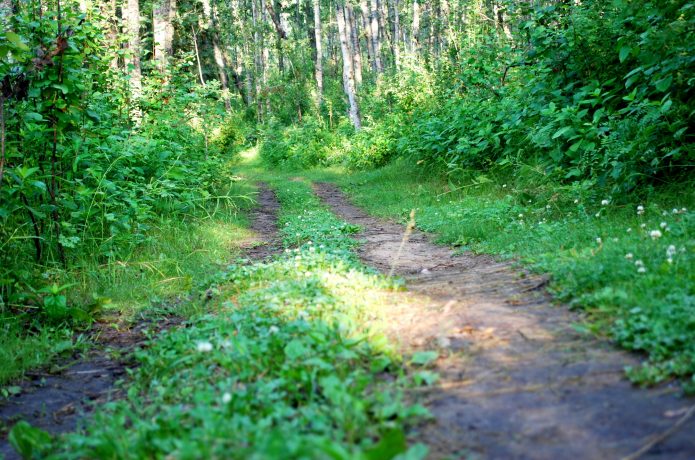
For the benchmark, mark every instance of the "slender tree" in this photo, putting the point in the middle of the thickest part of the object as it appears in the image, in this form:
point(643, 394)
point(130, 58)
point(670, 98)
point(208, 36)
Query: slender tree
point(348, 73)
point(318, 72)
point(132, 60)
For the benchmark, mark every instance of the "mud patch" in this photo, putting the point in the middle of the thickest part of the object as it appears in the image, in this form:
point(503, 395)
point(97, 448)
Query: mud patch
point(56, 398)
point(265, 242)
point(516, 380)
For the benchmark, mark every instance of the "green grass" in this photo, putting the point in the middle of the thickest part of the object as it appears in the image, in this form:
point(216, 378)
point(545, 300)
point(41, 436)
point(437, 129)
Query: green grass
point(602, 257)
point(166, 265)
point(284, 364)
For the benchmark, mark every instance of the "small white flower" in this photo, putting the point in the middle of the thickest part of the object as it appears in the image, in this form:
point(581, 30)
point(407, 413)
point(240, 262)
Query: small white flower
point(671, 250)
point(629, 230)
point(521, 216)
point(669, 260)
point(675, 211)
point(204, 347)
point(504, 186)
point(226, 398)
point(629, 256)
point(663, 225)
point(615, 240)
point(655, 234)
point(547, 206)
point(642, 225)
point(576, 201)
point(598, 214)
point(273, 330)
point(684, 209)
point(605, 202)
point(639, 263)
point(598, 240)
point(665, 213)
point(641, 270)
point(640, 210)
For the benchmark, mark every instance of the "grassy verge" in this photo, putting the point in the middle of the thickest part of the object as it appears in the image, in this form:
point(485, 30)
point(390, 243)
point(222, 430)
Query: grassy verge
point(282, 365)
point(165, 265)
point(628, 263)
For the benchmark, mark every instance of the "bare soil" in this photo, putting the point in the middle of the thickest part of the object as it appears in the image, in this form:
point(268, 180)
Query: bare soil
point(516, 380)
point(55, 399)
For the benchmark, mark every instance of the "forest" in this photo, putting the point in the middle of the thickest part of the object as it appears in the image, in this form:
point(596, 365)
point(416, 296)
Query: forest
point(347, 229)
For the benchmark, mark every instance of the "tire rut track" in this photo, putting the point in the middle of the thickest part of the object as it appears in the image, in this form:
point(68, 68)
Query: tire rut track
point(517, 381)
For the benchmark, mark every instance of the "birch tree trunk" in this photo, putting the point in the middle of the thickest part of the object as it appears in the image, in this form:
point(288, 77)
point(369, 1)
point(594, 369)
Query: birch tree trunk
point(415, 32)
point(132, 59)
point(367, 27)
point(376, 39)
point(161, 16)
point(318, 72)
point(396, 32)
point(220, 60)
point(354, 43)
point(348, 80)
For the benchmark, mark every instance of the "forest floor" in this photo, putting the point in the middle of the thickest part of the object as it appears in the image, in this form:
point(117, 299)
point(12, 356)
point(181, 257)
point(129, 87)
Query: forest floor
point(503, 372)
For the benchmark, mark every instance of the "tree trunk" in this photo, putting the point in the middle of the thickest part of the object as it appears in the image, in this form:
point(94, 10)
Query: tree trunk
point(133, 57)
point(354, 43)
point(217, 53)
point(161, 16)
point(367, 27)
point(319, 53)
point(396, 32)
point(348, 79)
point(415, 32)
point(376, 38)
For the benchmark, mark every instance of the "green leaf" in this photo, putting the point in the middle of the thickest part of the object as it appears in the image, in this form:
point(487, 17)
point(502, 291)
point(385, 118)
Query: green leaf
point(664, 84)
point(561, 131)
point(295, 349)
point(61, 87)
point(27, 440)
point(391, 444)
point(624, 53)
point(422, 358)
point(32, 116)
point(16, 40)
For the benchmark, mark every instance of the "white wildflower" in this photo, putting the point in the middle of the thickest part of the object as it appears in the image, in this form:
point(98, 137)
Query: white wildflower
point(641, 270)
point(684, 210)
point(521, 216)
point(226, 398)
point(664, 213)
point(273, 330)
point(663, 225)
point(655, 234)
point(640, 210)
point(576, 201)
point(629, 230)
point(504, 185)
point(605, 202)
point(598, 214)
point(675, 211)
point(203, 347)
point(643, 226)
point(639, 263)
point(547, 206)
point(629, 256)
point(669, 260)
point(671, 250)
point(598, 240)
point(615, 240)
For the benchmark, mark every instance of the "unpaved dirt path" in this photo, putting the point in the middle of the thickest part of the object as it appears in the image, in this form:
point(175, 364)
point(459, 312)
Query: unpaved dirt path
point(517, 382)
point(56, 400)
